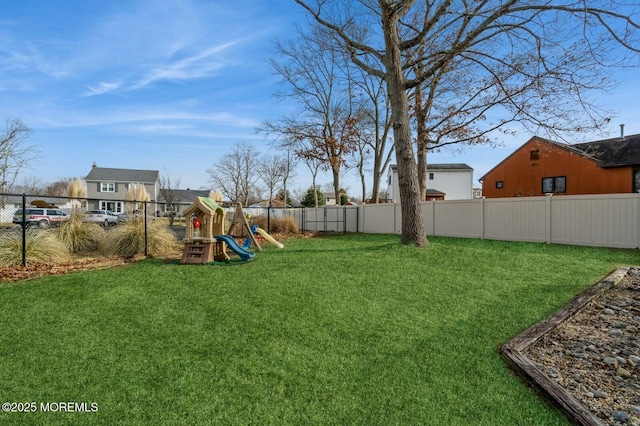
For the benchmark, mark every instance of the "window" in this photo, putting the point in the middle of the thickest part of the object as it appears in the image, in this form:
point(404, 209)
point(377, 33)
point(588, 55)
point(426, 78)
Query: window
point(636, 180)
point(499, 184)
point(554, 185)
point(430, 176)
point(107, 187)
point(534, 154)
point(114, 206)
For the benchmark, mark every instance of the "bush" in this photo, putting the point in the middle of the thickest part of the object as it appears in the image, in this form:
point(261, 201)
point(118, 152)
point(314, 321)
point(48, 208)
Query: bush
point(81, 236)
point(43, 246)
point(127, 239)
point(279, 225)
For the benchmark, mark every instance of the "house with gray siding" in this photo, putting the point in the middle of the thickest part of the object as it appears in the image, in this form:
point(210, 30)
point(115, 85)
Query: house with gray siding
point(107, 187)
point(176, 201)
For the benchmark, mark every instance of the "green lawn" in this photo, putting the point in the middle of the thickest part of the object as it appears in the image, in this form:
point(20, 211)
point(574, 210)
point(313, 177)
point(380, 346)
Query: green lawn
point(352, 329)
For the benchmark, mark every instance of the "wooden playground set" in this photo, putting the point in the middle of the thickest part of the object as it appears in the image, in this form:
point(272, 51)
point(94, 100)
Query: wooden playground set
point(205, 239)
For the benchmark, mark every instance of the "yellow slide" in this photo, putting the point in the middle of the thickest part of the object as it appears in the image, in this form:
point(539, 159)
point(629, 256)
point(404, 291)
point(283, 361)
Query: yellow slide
point(269, 238)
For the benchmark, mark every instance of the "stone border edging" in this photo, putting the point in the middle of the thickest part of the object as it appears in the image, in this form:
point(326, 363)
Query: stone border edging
point(513, 350)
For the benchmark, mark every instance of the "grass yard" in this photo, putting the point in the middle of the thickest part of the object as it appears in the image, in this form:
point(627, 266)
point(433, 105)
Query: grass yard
point(353, 329)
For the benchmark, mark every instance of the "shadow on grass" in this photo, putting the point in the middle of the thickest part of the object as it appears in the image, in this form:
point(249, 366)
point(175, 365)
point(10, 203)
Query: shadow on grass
point(230, 262)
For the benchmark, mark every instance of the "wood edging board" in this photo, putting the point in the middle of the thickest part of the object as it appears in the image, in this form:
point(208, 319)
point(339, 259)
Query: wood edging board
point(513, 352)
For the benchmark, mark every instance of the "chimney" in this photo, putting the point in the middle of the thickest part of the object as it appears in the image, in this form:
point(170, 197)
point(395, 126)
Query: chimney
point(94, 165)
point(622, 131)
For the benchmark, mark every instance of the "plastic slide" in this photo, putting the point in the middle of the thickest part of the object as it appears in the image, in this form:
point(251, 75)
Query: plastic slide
point(233, 245)
point(269, 238)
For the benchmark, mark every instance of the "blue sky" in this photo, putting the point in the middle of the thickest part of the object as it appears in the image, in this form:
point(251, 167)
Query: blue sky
point(170, 85)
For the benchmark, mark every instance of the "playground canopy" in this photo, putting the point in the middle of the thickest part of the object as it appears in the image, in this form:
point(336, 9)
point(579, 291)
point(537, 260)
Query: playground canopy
point(211, 217)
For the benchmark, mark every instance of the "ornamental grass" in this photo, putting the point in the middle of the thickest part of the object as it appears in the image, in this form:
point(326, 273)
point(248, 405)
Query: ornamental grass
point(42, 246)
point(78, 235)
point(127, 239)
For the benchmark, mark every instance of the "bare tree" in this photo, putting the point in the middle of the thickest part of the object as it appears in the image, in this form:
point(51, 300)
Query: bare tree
point(235, 174)
point(29, 185)
point(374, 141)
point(526, 51)
point(324, 125)
point(169, 190)
point(314, 165)
point(15, 153)
point(271, 170)
point(288, 172)
point(57, 188)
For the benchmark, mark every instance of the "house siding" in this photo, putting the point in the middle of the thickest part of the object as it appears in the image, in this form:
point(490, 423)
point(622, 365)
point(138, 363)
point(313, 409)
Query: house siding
point(451, 181)
point(98, 176)
point(522, 176)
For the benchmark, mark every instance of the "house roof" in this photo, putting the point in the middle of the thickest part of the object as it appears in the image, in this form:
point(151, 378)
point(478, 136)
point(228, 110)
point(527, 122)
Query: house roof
point(101, 174)
point(442, 166)
point(435, 192)
point(265, 203)
point(185, 195)
point(614, 152)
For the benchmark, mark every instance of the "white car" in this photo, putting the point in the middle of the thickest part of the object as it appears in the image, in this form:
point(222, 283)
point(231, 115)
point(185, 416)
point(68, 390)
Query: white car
point(104, 217)
point(41, 217)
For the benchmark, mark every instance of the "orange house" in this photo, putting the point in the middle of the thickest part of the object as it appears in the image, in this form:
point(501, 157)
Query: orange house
point(542, 166)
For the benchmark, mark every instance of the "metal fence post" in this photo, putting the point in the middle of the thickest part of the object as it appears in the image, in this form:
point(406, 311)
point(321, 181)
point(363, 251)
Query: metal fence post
point(269, 218)
point(146, 251)
point(24, 229)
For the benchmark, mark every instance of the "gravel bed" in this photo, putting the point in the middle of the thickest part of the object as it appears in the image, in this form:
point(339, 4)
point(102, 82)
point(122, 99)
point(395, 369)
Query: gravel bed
point(595, 355)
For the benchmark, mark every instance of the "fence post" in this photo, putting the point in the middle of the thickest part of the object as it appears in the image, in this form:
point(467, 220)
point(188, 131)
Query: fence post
point(482, 212)
point(269, 217)
point(24, 229)
point(548, 218)
point(146, 251)
point(325, 221)
point(344, 220)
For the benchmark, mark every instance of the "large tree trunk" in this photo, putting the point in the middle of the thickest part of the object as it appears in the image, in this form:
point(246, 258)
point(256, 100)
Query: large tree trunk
point(421, 143)
point(375, 190)
point(412, 223)
point(336, 183)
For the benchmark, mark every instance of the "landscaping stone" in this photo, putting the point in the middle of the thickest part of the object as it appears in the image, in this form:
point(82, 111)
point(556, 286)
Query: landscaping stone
point(623, 372)
point(615, 333)
point(620, 416)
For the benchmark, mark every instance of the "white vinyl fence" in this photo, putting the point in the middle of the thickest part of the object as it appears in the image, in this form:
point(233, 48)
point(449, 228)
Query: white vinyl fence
point(611, 220)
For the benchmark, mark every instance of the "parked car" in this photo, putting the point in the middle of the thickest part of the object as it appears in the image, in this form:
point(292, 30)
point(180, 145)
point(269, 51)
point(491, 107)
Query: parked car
point(104, 217)
point(123, 217)
point(42, 218)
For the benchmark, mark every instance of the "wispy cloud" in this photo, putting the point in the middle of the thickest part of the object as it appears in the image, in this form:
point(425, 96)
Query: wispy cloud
point(101, 88)
point(199, 65)
point(146, 119)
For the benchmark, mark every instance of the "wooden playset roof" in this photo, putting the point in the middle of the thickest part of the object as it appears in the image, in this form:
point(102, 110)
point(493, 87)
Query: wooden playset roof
point(204, 204)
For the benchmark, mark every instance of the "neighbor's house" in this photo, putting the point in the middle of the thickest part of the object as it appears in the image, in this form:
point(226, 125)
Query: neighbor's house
point(178, 200)
point(444, 182)
point(542, 166)
point(329, 199)
point(107, 187)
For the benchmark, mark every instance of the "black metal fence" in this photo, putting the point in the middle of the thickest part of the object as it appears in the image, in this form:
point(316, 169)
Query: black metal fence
point(32, 223)
point(26, 219)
